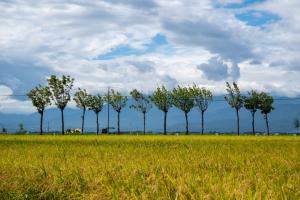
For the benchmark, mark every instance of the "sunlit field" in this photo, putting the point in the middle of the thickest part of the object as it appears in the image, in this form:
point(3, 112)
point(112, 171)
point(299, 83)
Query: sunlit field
point(149, 167)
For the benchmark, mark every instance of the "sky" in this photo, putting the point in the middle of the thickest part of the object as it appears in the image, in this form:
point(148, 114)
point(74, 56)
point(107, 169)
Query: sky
point(141, 44)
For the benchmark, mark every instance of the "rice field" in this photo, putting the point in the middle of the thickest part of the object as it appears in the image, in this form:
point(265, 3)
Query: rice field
point(149, 167)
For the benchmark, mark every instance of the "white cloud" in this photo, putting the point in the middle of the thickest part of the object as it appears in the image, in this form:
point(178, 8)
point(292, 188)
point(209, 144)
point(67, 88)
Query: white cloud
point(10, 105)
point(40, 38)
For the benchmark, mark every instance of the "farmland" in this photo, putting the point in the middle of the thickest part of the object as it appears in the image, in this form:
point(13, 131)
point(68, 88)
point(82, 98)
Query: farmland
point(149, 167)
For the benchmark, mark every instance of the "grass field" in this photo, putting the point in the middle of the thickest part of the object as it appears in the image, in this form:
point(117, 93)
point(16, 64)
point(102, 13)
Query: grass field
point(149, 167)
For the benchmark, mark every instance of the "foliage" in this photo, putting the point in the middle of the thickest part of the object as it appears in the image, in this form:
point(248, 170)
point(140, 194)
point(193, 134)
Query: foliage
point(235, 100)
point(81, 98)
point(162, 98)
point(21, 130)
point(252, 101)
point(40, 97)
point(266, 106)
point(60, 89)
point(182, 98)
point(233, 96)
point(202, 97)
point(95, 103)
point(117, 101)
point(266, 103)
point(143, 167)
point(141, 102)
point(296, 123)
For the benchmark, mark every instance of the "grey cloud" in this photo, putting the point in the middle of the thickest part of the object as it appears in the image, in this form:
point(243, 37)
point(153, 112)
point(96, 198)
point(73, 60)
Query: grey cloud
point(138, 4)
point(142, 67)
point(234, 71)
point(169, 82)
point(21, 77)
point(217, 70)
point(210, 36)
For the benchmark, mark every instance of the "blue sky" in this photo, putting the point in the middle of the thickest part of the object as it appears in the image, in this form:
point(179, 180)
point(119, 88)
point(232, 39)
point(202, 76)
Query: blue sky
point(127, 44)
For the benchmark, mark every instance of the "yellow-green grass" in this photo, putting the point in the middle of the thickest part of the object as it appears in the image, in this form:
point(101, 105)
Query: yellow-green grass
point(149, 167)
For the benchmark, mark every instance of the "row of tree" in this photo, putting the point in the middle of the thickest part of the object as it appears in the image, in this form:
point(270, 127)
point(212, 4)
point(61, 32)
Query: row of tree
point(58, 91)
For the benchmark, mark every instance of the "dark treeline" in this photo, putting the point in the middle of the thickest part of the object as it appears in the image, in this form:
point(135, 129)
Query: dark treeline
point(58, 92)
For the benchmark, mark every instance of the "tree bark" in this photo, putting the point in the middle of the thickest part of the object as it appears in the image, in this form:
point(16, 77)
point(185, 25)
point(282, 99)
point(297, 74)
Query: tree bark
point(238, 121)
point(253, 123)
point(97, 122)
point(202, 122)
point(82, 123)
point(165, 123)
point(118, 123)
point(144, 123)
point(267, 123)
point(41, 122)
point(62, 122)
point(186, 123)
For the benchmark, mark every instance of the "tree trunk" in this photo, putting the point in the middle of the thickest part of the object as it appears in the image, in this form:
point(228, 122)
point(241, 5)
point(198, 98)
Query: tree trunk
point(202, 122)
point(267, 123)
point(144, 123)
point(118, 123)
point(97, 122)
point(186, 123)
point(82, 124)
point(62, 122)
point(165, 123)
point(238, 121)
point(41, 122)
point(253, 123)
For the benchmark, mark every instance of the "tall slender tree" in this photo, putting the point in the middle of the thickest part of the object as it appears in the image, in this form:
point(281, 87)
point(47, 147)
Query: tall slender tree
point(95, 103)
point(252, 102)
point(141, 104)
point(202, 98)
point(235, 100)
point(182, 98)
point(80, 97)
point(117, 101)
point(266, 107)
point(60, 89)
point(41, 98)
point(162, 98)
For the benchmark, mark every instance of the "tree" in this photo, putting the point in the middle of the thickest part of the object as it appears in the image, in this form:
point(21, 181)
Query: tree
point(141, 104)
point(21, 128)
point(95, 103)
point(80, 97)
point(235, 100)
point(182, 98)
point(41, 98)
point(162, 98)
point(117, 101)
point(60, 90)
point(202, 98)
point(296, 125)
point(3, 130)
point(252, 102)
point(266, 107)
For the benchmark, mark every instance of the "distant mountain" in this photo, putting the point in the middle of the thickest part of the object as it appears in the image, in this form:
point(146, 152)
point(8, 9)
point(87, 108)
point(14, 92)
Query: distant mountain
point(219, 117)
